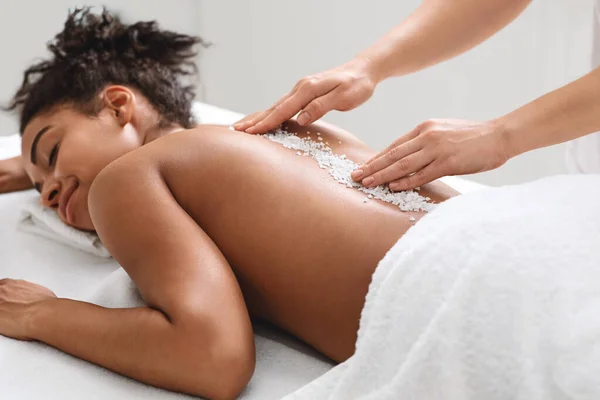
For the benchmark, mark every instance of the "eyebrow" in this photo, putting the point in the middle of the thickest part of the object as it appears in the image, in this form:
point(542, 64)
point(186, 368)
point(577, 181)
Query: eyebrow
point(35, 142)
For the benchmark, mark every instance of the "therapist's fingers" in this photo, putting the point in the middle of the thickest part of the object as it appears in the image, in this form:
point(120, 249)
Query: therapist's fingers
point(395, 156)
point(398, 142)
point(399, 169)
point(425, 175)
point(399, 149)
point(304, 94)
point(256, 117)
point(246, 121)
point(320, 106)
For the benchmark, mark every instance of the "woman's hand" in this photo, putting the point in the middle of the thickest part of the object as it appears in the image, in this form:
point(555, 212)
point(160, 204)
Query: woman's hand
point(342, 88)
point(435, 149)
point(16, 300)
point(12, 176)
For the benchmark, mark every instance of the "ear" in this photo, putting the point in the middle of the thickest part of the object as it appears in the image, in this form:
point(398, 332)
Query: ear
point(121, 101)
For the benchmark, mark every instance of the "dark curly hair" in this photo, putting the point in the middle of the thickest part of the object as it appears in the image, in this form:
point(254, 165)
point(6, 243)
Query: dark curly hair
point(96, 50)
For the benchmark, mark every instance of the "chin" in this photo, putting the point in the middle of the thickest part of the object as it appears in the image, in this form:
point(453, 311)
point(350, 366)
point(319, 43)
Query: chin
point(85, 227)
point(89, 228)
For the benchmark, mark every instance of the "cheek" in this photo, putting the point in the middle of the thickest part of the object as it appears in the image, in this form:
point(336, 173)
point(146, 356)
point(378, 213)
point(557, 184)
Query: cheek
point(86, 154)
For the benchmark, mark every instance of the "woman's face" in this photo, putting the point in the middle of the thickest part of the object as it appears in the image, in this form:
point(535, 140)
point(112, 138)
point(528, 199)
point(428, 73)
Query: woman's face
point(63, 152)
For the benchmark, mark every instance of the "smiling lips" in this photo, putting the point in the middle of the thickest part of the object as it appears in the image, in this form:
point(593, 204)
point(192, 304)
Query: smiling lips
point(65, 200)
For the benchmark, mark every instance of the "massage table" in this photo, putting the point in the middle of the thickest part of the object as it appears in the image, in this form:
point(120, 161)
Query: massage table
point(31, 370)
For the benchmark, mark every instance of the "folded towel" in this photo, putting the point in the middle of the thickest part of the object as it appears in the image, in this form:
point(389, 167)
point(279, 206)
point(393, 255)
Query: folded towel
point(44, 222)
point(493, 295)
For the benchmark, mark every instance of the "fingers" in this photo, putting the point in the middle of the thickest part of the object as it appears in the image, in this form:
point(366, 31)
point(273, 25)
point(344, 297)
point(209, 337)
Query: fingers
point(401, 140)
point(305, 93)
point(247, 121)
point(319, 107)
point(387, 158)
point(399, 169)
point(430, 173)
point(256, 117)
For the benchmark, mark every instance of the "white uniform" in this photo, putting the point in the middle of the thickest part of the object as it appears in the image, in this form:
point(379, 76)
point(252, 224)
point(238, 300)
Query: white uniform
point(583, 154)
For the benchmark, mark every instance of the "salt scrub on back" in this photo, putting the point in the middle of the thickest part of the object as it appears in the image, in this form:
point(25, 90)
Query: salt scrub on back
point(340, 168)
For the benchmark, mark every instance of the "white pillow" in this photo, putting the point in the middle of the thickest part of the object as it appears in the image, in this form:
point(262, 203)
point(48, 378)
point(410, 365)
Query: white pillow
point(10, 146)
point(208, 114)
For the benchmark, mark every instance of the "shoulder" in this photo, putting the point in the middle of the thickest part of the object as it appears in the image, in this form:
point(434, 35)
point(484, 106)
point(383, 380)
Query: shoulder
point(168, 162)
point(162, 152)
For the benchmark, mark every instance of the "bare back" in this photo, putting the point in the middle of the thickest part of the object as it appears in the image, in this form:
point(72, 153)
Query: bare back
point(302, 246)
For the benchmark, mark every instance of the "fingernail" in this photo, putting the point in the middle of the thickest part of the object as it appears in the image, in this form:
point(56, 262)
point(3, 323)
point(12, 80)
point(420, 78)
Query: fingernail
point(252, 129)
point(303, 118)
point(368, 181)
point(357, 174)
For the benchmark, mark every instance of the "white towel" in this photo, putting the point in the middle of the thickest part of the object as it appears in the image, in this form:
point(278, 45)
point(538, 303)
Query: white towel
point(44, 222)
point(494, 295)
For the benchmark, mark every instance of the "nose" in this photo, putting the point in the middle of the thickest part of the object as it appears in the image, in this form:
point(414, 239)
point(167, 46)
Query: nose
point(51, 194)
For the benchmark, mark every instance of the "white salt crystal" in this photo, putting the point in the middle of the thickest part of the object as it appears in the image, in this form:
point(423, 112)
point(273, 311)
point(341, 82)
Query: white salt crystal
point(318, 133)
point(370, 196)
point(320, 138)
point(413, 219)
point(340, 169)
point(365, 200)
point(298, 154)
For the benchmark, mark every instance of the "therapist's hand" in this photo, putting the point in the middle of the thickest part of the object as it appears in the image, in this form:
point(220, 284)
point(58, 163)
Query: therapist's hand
point(12, 176)
point(435, 149)
point(342, 88)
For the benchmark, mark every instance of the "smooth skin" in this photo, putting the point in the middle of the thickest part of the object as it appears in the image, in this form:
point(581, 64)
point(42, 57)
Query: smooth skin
point(206, 249)
point(439, 30)
point(13, 177)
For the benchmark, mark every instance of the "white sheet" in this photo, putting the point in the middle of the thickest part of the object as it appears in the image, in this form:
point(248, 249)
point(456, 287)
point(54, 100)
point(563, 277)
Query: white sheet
point(493, 295)
point(35, 371)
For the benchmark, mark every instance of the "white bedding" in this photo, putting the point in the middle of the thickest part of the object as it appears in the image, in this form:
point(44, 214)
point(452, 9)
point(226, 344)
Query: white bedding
point(35, 371)
point(494, 295)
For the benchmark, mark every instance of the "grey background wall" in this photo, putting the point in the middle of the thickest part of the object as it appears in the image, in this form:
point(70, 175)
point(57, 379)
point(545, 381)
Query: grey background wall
point(262, 47)
point(26, 26)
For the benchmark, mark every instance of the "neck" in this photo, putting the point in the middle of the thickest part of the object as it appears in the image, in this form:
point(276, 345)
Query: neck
point(147, 121)
point(157, 132)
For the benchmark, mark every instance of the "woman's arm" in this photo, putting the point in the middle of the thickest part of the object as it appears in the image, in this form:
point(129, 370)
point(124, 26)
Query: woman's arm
point(12, 175)
point(436, 31)
point(196, 335)
point(565, 114)
point(453, 147)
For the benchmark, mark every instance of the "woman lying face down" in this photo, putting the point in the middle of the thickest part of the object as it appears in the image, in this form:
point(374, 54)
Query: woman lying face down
point(215, 227)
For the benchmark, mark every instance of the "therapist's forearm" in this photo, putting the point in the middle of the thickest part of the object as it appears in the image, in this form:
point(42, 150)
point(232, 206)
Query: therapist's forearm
point(562, 115)
point(436, 31)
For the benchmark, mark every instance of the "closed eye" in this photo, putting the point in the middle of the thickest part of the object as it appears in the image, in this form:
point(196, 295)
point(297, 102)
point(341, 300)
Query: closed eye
point(53, 155)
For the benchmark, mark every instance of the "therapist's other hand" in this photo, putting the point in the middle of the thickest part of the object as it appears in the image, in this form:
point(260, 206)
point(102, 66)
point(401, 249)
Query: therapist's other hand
point(12, 176)
point(342, 88)
point(435, 149)
point(17, 300)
